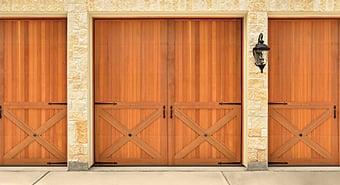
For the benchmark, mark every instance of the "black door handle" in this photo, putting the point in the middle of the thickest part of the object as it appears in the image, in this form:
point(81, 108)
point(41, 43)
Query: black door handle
point(171, 112)
point(164, 111)
point(0, 112)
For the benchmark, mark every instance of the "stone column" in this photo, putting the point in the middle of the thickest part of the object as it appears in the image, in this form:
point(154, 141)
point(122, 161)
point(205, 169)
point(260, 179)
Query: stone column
point(79, 94)
point(255, 96)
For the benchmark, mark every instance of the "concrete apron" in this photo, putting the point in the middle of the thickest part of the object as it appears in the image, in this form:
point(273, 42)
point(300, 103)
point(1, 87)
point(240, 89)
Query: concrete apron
point(170, 169)
point(170, 178)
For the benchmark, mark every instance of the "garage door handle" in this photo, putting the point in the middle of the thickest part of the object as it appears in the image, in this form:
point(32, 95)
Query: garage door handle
point(164, 111)
point(171, 112)
point(277, 103)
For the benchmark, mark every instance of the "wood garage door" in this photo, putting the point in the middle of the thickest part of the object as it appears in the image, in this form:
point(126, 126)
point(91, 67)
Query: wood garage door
point(303, 92)
point(167, 91)
point(33, 92)
point(205, 91)
point(130, 91)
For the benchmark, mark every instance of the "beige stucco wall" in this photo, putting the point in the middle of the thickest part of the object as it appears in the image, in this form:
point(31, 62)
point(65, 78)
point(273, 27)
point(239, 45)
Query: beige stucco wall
point(79, 14)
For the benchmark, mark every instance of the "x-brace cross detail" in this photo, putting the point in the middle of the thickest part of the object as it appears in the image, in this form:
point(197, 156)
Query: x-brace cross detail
point(205, 135)
point(35, 135)
point(129, 134)
point(300, 135)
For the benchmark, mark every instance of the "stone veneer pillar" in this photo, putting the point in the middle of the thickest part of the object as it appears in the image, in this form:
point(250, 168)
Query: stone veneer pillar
point(255, 96)
point(80, 154)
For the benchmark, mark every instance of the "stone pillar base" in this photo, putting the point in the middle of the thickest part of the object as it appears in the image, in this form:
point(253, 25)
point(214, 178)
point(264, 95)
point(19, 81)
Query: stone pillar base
point(257, 166)
point(77, 166)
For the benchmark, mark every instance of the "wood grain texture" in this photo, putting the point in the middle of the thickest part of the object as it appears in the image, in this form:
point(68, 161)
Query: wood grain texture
point(33, 64)
point(304, 72)
point(173, 72)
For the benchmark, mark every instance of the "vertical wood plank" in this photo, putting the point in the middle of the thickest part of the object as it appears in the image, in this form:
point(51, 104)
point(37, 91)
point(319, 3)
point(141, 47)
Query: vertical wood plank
point(2, 59)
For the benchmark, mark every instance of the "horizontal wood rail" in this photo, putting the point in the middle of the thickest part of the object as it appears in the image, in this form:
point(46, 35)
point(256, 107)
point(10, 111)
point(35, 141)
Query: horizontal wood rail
point(34, 105)
point(128, 105)
point(301, 105)
point(207, 105)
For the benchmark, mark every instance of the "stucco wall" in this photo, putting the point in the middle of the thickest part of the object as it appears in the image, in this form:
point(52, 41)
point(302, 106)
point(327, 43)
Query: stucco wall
point(79, 14)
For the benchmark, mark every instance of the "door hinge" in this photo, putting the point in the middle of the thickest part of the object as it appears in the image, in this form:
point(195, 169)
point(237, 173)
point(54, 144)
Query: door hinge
point(57, 103)
point(105, 103)
point(106, 163)
point(277, 103)
point(225, 163)
point(56, 163)
point(229, 103)
point(278, 162)
point(334, 111)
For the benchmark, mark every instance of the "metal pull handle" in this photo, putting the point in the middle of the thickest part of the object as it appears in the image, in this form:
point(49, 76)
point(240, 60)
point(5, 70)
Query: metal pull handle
point(229, 103)
point(277, 103)
point(57, 103)
point(171, 112)
point(334, 111)
point(105, 103)
point(0, 112)
point(164, 111)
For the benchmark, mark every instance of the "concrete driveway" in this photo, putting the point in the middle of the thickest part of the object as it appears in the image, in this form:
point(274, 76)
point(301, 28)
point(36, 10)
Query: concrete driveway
point(169, 178)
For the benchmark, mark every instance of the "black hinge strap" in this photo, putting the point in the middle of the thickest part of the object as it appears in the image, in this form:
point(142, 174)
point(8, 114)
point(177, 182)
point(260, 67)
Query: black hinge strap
point(57, 103)
point(278, 162)
point(277, 103)
point(223, 163)
point(106, 163)
point(334, 111)
point(56, 163)
point(105, 103)
point(230, 103)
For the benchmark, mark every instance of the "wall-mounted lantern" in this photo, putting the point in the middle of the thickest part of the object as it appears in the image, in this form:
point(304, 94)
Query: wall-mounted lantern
point(258, 50)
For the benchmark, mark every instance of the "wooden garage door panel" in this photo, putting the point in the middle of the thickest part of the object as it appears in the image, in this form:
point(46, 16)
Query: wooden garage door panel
point(130, 68)
point(207, 136)
point(130, 60)
point(206, 71)
point(207, 60)
point(33, 56)
point(175, 73)
point(303, 55)
point(113, 141)
point(304, 74)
